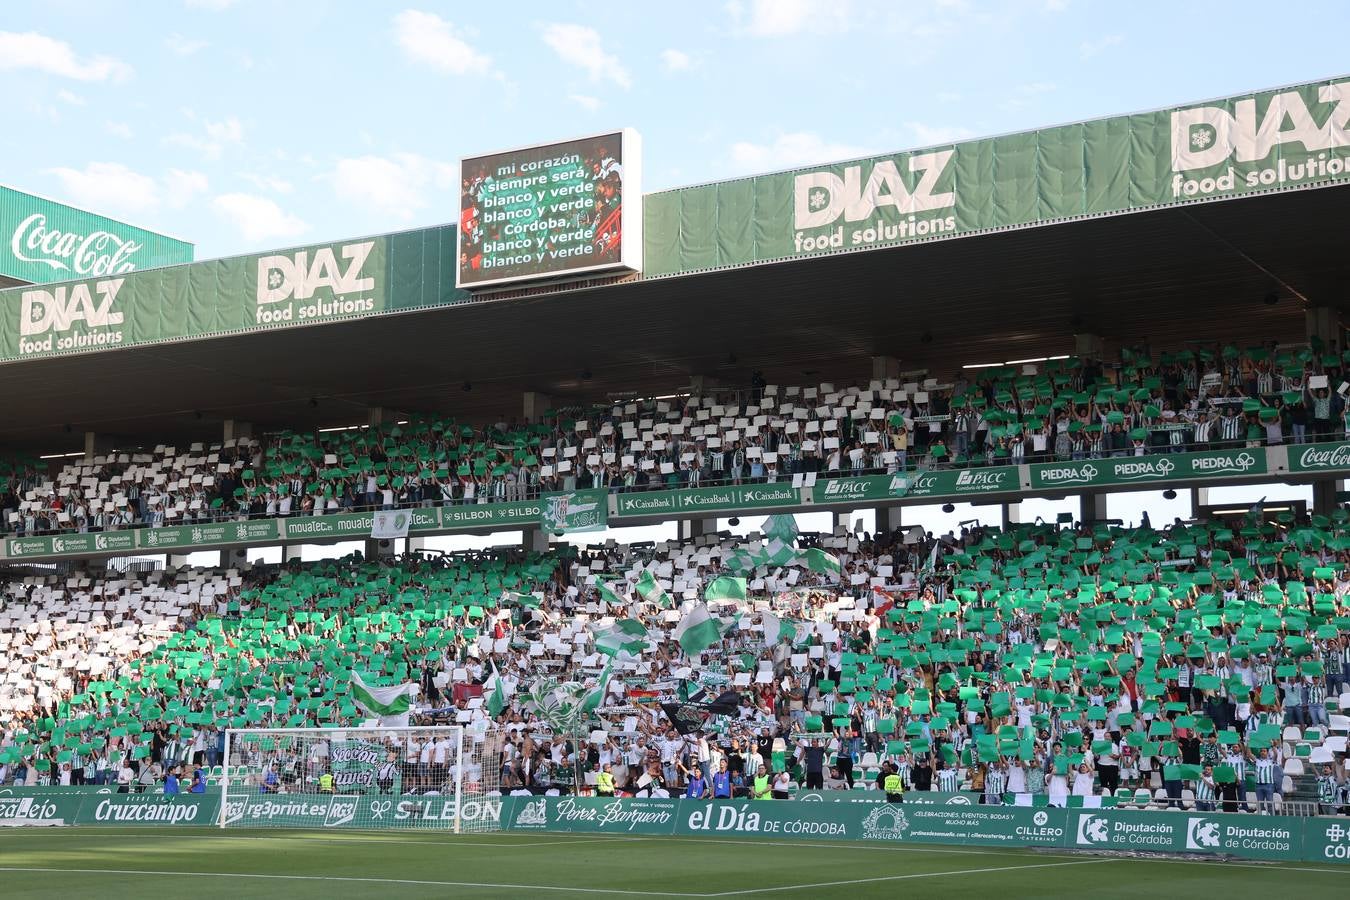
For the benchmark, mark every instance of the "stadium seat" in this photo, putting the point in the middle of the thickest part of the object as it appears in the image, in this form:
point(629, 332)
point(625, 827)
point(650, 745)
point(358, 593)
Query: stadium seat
point(1293, 765)
point(1292, 733)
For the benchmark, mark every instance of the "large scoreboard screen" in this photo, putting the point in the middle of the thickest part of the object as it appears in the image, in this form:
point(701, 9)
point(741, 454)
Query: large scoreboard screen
point(551, 212)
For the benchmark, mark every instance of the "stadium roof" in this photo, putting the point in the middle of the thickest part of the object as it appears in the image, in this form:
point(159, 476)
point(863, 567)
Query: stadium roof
point(1199, 272)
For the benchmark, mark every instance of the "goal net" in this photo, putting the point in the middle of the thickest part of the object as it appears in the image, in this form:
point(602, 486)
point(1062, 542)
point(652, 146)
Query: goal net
point(441, 777)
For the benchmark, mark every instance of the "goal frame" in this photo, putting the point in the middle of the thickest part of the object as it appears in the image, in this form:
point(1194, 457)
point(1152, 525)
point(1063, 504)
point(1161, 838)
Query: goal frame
point(328, 733)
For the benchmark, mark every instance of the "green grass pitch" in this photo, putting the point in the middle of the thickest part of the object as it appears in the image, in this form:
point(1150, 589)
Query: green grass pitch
point(206, 863)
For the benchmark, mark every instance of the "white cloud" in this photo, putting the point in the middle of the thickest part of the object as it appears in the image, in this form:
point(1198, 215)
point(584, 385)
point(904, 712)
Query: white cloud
point(396, 185)
point(272, 183)
point(676, 60)
point(781, 18)
point(229, 131)
point(1089, 49)
point(787, 151)
point(427, 38)
point(258, 218)
point(119, 129)
point(586, 102)
point(181, 187)
point(109, 186)
point(928, 135)
point(580, 46)
point(30, 50)
point(66, 96)
point(183, 46)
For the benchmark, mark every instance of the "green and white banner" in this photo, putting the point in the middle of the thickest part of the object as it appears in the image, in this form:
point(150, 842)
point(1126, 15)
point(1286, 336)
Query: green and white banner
point(1319, 457)
point(1147, 469)
point(574, 511)
point(737, 497)
point(1256, 143)
point(964, 482)
point(304, 286)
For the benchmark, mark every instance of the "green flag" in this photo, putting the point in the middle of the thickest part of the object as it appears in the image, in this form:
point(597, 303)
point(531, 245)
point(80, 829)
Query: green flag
point(624, 636)
point(780, 528)
point(386, 702)
point(648, 589)
point(497, 698)
point(697, 631)
point(725, 588)
point(818, 560)
point(609, 594)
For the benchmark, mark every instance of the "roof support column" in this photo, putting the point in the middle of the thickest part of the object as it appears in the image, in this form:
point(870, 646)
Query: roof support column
point(884, 367)
point(692, 529)
point(534, 405)
point(889, 518)
point(534, 539)
point(1012, 514)
point(235, 430)
point(1323, 327)
point(1091, 507)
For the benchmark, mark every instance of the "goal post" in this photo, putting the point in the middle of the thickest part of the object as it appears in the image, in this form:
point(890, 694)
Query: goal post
point(432, 777)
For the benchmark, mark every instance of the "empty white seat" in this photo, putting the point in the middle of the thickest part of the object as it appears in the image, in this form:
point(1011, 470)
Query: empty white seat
point(1293, 766)
point(1292, 733)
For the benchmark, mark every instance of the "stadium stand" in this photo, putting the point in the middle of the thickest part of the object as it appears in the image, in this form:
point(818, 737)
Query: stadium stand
point(1072, 409)
point(1201, 665)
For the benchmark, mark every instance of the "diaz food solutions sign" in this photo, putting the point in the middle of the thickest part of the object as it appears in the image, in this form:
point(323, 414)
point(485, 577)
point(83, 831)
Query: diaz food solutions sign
point(42, 240)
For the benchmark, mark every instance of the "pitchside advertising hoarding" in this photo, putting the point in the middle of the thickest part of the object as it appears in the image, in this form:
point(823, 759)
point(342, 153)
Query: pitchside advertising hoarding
point(551, 211)
point(49, 241)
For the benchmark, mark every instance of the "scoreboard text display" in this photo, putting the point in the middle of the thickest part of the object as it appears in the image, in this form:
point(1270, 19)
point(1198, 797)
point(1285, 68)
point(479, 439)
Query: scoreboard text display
point(551, 211)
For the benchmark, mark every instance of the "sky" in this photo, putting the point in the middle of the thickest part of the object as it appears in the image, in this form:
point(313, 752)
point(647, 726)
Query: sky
point(245, 125)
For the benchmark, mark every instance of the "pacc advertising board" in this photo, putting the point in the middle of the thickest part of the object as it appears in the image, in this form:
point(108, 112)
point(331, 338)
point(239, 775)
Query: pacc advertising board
point(551, 211)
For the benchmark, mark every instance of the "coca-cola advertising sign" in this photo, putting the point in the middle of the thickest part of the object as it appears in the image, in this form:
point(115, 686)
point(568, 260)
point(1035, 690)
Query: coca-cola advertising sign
point(1319, 457)
point(45, 241)
point(95, 253)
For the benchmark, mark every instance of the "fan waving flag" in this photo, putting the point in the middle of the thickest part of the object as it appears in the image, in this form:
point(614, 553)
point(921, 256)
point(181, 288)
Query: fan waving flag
point(624, 636)
point(818, 560)
point(390, 703)
point(610, 595)
point(496, 693)
point(725, 588)
point(650, 590)
point(773, 628)
point(781, 528)
point(697, 631)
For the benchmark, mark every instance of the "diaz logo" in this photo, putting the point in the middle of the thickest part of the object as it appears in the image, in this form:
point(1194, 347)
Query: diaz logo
point(56, 311)
point(297, 277)
point(885, 823)
point(1202, 834)
point(1093, 830)
point(533, 814)
point(821, 198)
point(1204, 136)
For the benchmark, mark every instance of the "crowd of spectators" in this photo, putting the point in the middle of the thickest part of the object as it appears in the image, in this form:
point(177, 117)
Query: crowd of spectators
point(1065, 409)
point(1206, 662)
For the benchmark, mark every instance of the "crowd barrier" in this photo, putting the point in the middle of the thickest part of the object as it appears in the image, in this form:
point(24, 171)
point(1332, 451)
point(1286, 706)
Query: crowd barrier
point(1285, 838)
